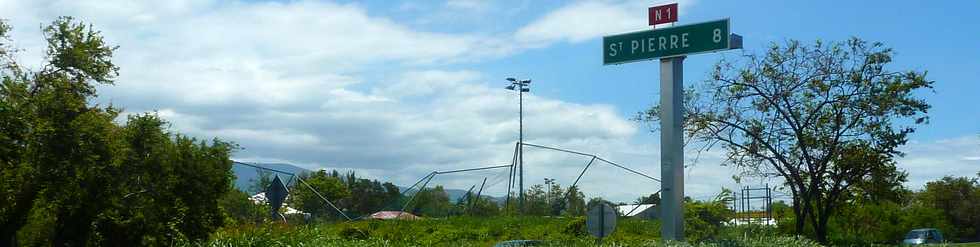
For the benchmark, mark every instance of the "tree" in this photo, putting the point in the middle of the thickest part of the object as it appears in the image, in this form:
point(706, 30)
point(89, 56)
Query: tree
point(575, 202)
point(240, 209)
point(704, 219)
point(73, 176)
point(368, 196)
point(431, 202)
point(306, 200)
point(42, 112)
point(821, 117)
point(536, 201)
point(596, 201)
point(650, 199)
point(555, 197)
point(884, 183)
point(484, 206)
point(260, 183)
point(959, 200)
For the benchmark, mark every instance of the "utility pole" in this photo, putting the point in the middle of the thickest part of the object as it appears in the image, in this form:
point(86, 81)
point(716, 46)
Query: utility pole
point(521, 86)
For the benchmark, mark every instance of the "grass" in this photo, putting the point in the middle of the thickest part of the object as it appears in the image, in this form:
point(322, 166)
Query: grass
point(466, 231)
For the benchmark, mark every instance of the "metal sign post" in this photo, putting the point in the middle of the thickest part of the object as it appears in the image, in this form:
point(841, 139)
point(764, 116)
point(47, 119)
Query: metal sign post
point(672, 147)
point(671, 46)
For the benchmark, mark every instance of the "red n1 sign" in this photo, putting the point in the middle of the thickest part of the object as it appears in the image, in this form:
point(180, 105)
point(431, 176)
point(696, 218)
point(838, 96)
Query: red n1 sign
point(663, 14)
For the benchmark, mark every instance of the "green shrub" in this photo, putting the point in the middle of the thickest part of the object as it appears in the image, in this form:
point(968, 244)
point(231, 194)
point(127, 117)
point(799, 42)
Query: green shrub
point(474, 231)
point(351, 232)
point(576, 227)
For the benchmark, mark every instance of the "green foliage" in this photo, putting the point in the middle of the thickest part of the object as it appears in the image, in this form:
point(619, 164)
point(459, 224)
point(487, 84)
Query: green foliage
point(240, 210)
point(467, 231)
point(536, 201)
point(575, 202)
point(825, 117)
point(331, 188)
point(959, 200)
point(73, 176)
point(260, 183)
point(431, 203)
point(882, 223)
point(704, 220)
point(371, 195)
point(473, 206)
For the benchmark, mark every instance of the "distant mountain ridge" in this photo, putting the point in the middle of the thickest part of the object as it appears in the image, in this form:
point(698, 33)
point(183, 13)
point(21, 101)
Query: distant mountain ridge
point(245, 176)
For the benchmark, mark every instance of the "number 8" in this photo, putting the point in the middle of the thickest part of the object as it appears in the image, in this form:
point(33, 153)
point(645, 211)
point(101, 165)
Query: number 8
point(717, 37)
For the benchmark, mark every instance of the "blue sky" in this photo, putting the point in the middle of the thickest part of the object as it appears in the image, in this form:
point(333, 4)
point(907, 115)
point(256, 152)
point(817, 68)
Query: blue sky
point(395, 90)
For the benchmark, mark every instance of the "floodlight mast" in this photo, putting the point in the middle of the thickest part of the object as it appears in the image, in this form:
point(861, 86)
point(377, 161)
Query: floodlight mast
point(521, 86)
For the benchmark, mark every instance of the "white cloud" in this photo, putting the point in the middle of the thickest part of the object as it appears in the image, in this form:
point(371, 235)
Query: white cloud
point(585, 20)
point(300, 82)
point(932, 160)
point(581, 21)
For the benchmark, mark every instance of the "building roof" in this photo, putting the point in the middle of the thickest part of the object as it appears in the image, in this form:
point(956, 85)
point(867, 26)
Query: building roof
point(628, 209)
point(387, 215)
point(259, 199)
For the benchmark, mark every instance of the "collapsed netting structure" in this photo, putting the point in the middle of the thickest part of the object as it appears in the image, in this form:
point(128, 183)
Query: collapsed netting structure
point(292, 177)
point(512, 173)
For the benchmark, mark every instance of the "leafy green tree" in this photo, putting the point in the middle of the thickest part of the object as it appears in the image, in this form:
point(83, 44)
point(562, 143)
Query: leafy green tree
point(536, 201)
point(511, 204)
point(959, 200)
point(73, 176)
point(431, 202)
point(240, 209)
point(306, 200)
point(883, 183)
point(808, 114)
point(575, 202)
point(368, 196)
point(704, 219)
point(260, 183)
point(484, 206)
point(595, 201)
point(650, 199)
point(393, 196)
point(557, 201)
point(50, 130)
point(886, 222)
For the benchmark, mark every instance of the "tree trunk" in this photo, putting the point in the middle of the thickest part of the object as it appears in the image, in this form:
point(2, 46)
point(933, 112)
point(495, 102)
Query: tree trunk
point(821, 227)
point(800, 216)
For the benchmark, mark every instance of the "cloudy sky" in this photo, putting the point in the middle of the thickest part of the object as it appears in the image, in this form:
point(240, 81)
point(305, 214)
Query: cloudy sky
point(395, 90)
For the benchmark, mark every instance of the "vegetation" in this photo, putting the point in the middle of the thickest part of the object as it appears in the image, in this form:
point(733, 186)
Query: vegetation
point(862, 222)
point(823, 117)
point(73, 176)
point(305, 200)
point(470, 231)
point(958, 199)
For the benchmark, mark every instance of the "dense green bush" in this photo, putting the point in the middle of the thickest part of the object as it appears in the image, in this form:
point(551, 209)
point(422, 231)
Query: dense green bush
point(72, 176)
point(467, 231)
point(882, 223)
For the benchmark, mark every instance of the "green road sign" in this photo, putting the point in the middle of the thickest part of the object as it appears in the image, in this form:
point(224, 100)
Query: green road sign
point(666, 42)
